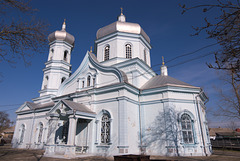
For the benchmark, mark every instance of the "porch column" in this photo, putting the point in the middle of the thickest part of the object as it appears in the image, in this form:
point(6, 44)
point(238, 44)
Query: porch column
point(52, 130)
point(50, 140)
point(72, 130)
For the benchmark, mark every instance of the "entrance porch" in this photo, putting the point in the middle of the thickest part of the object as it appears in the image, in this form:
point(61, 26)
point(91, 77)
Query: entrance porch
point(69, 130)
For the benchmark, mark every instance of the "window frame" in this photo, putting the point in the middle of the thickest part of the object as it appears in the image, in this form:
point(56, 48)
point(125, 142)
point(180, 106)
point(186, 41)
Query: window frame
point(22, 133)
point(40, 132)
point(105, 129)
point(186, 137)
point(106, 52)
point(128, 51)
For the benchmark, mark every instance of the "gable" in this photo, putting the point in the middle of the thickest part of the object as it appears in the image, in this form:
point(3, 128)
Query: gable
point(98, 75)
point(24, 107)
point(66, 107)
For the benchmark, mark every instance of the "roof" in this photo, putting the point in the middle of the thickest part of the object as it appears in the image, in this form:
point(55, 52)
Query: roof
point(126, 27)
point(62, 36)
point(213, 131)
point(159, 81)
point(8, 130)
point(78, 106)
point(38, 106)
point(228, 134)
point(124, 76)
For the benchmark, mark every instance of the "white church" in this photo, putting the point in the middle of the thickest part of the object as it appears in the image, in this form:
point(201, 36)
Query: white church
point(114, 103)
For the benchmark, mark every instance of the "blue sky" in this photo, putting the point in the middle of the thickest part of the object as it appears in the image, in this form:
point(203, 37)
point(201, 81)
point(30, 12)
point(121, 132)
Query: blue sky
point(167, 28)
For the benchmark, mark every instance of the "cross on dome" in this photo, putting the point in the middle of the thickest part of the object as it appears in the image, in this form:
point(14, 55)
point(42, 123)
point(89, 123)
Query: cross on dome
point(121, 18)
point(64, 25)
point(121, 11)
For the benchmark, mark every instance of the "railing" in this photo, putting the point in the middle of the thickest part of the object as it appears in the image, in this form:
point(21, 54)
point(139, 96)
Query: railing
point(81, 149)
point(226, 143)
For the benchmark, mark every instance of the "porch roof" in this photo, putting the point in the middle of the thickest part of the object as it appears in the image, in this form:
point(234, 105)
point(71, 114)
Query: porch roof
point(78, 106)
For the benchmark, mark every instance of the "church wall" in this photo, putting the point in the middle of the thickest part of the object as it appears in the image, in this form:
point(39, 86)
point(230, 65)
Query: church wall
point(183, 104)
point(133, 128)
point(72, 87)
point(104, 79)
point(117, 48)
point(98, 147)
point(30, 136)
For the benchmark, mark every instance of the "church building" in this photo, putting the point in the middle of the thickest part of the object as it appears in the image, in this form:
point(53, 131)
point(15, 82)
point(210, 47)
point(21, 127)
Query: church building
point(114, 103)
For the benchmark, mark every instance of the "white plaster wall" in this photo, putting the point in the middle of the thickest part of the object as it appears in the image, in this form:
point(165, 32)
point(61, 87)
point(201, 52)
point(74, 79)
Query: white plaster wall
point(133, 128)
point(117, 48)
point(187, 105)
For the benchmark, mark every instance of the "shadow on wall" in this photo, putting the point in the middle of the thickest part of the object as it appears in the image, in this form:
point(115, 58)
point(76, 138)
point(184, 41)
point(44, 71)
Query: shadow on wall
point(162, 136)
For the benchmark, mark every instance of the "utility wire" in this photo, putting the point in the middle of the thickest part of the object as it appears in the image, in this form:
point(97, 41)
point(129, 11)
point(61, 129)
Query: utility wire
point(10, 105)
point(187, 54)
point(148, 71)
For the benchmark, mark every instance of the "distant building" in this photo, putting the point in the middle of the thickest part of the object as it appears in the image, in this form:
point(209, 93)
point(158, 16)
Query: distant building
point(7, 134)
point(114, 103)
point(223, 133)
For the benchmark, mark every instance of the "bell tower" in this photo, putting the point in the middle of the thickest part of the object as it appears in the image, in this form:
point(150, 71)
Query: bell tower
point(58, 67)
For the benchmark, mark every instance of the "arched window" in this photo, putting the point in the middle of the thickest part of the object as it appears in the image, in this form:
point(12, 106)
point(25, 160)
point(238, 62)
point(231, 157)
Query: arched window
point(82, 84)
point(51, 54)
point(187, 131)
point(128, 51)
point(40, 132)
point(22, 132)
point(45, 82)
point(105, 128)
point(145, 55)
point(63, 79)
point(106, 52)
point(65, 55)
point(94, 82)
point(88, 80)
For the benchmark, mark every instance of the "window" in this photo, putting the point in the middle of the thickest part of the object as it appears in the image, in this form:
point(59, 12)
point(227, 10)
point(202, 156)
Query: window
point(106, 52)
point(45, 82)
point(82, 84)
point(187, 131)
point(94, 81)
point(22, 132)
point(63, 79)
point(105, 129)
point(128, 51)
point(88, 80)
point(65, 55)
point(40, 132)
point(51, 54)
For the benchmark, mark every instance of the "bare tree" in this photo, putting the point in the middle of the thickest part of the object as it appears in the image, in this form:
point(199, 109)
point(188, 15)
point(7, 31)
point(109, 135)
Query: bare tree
point(20, 38)
point(164, 131)
point(5, 122)
point(232, 125)
point(229, 100)
point(225, 29)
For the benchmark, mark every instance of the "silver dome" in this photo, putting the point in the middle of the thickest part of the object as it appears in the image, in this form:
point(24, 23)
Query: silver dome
point(62, 35)
point(122, 26)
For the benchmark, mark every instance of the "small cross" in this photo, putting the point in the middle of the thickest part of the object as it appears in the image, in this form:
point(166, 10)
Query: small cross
point(91, 49)
point(121, 11)
point(163, 60)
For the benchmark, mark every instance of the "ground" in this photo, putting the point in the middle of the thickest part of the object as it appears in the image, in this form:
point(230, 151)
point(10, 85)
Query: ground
point(10, 154)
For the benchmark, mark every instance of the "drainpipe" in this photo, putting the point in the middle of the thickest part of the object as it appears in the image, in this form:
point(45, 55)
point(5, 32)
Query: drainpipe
point(30, 143)
point(200, 122)
point(140, 123)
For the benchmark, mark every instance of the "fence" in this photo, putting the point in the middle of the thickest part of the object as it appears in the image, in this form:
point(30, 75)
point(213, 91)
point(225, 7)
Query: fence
point(226, 143)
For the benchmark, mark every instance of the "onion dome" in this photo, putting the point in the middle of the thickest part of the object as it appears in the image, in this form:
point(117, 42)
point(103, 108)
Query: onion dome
point(62, 35)
point(122, 26)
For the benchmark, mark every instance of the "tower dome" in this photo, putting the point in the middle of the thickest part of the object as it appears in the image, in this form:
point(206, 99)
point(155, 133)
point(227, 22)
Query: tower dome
point(62, 35)
point(122, 26)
